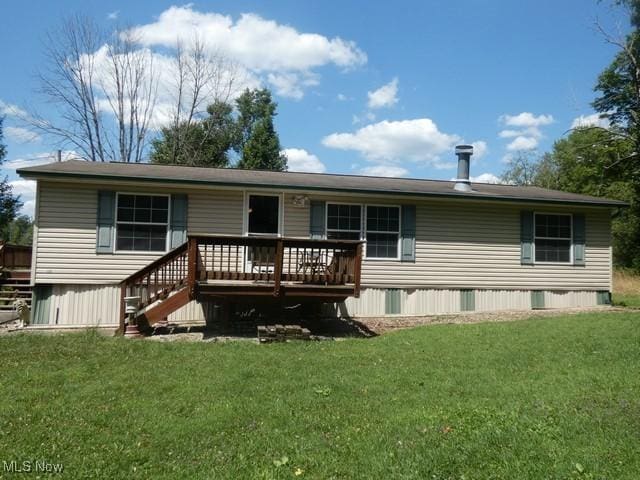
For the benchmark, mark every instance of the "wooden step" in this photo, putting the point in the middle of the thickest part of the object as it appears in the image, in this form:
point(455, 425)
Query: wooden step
point(165, 307)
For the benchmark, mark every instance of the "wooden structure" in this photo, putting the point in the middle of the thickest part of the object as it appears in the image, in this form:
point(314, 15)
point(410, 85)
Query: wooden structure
point(15, 275)
point(227, 267)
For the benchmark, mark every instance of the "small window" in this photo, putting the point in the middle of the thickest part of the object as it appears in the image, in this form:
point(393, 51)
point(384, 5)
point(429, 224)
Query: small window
point(552, 238)
point(383, 232)
point(142, 223)
point(343, 221)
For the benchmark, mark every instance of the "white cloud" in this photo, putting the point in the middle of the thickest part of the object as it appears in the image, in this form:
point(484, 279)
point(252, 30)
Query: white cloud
point(485, 178)
point(523, 143)
point(444, 165)
point(20, 134)
point(37, 159)
point(482, 178)
point(480, 149)
point(261, 46)
point(342, 97)
point(526, 119)
point(11, 110)
point(27, 191)
point(299, 160)
point(418, 140)
point(291, 84)
point(385, 96)
point(385, 171)
point(527, 133)
point(113, 15)
point(592, 120)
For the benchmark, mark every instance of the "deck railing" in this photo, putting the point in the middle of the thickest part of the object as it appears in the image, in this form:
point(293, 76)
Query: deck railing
point(278, 260)
point(259, 261)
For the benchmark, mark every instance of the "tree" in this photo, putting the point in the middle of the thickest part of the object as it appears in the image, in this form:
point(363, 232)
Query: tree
point(87, 73)
point(618, 100)
point(9, 204)
point(204, 143)
point(527, 169)
point(19, 231)
point(197, 135)
point(258, 143)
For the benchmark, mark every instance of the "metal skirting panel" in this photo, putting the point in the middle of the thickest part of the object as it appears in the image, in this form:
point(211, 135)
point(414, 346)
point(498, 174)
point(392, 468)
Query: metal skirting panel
point(100, 305)
point(570, 299)
point(193, 312)
point(84, 305)
point(494, 300)
point(421, 301)
point(373, 301)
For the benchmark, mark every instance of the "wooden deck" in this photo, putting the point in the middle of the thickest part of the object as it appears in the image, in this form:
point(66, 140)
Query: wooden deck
point(220, 268)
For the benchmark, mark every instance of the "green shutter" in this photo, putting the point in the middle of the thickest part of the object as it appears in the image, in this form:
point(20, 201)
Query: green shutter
point(408, 233)
point(579, 239)
point(105, 221)
point(317, 219)
point(537, 299)
point(467, 300)
point(41, 303)
point(179, 210)
point(526, 237)
point(392, 301)
point(603, 297)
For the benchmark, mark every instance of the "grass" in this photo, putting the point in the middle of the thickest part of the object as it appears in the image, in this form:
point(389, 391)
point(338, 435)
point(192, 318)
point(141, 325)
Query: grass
point(540, 398)
point(626, 289)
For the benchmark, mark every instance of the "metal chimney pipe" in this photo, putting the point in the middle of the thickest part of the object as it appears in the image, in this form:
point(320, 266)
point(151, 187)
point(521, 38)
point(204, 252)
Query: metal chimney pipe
point(464, 152)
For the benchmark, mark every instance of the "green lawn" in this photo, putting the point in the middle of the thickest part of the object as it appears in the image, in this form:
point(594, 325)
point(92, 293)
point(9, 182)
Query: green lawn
point(626, 300)
point(540, 398)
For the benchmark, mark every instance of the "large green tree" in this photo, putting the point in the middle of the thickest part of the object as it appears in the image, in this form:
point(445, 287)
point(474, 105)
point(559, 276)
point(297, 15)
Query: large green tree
point(204, 143)
point(258, 143)
point(9, 204)
point(618, 100)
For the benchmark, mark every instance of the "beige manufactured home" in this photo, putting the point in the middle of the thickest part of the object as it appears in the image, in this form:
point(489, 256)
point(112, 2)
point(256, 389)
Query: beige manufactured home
point(189, 238)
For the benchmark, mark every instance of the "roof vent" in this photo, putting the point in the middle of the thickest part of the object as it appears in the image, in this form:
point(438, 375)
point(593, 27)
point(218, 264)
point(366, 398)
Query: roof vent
point(464, 152)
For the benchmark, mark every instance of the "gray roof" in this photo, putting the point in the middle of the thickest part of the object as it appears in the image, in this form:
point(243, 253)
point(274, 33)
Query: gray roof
point(142, 172)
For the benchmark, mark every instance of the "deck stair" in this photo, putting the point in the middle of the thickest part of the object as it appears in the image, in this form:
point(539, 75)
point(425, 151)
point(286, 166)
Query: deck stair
point(230, 268)
point(15, 275)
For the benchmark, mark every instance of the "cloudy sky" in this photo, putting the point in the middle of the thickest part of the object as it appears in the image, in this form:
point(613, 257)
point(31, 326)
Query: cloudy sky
point(372, 88)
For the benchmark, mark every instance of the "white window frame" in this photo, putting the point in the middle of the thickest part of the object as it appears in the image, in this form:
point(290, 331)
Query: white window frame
point(570, 238)
point(365, 231)
point(117, 222)
point(245, 216)
point(326, 219)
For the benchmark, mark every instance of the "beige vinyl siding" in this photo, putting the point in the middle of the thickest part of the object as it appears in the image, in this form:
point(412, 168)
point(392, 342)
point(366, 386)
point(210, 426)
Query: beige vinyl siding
point(66, 242)
point(296, 218)
point(459, 243)
point(465, 244)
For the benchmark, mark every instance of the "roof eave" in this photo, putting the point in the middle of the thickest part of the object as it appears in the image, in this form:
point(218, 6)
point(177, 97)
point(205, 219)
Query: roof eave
point(33, 174)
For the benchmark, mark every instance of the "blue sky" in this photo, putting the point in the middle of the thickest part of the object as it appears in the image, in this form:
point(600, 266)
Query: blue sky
point(384, 88)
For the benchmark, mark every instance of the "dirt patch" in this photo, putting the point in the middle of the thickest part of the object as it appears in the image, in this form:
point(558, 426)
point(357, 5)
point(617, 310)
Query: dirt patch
point(381, 325)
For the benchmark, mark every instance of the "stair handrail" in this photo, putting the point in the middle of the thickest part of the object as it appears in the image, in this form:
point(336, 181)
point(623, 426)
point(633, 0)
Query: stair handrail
point(132, 280)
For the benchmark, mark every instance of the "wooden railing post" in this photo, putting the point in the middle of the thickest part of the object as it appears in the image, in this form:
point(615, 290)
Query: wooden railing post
point(192, 261)
point(279, 263)
point(357, 271)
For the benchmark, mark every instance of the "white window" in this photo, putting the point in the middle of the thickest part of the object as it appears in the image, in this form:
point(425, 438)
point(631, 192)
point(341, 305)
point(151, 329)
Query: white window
point(383, 231)
point(553, 238)
point(142, 222)
point(344, 222)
